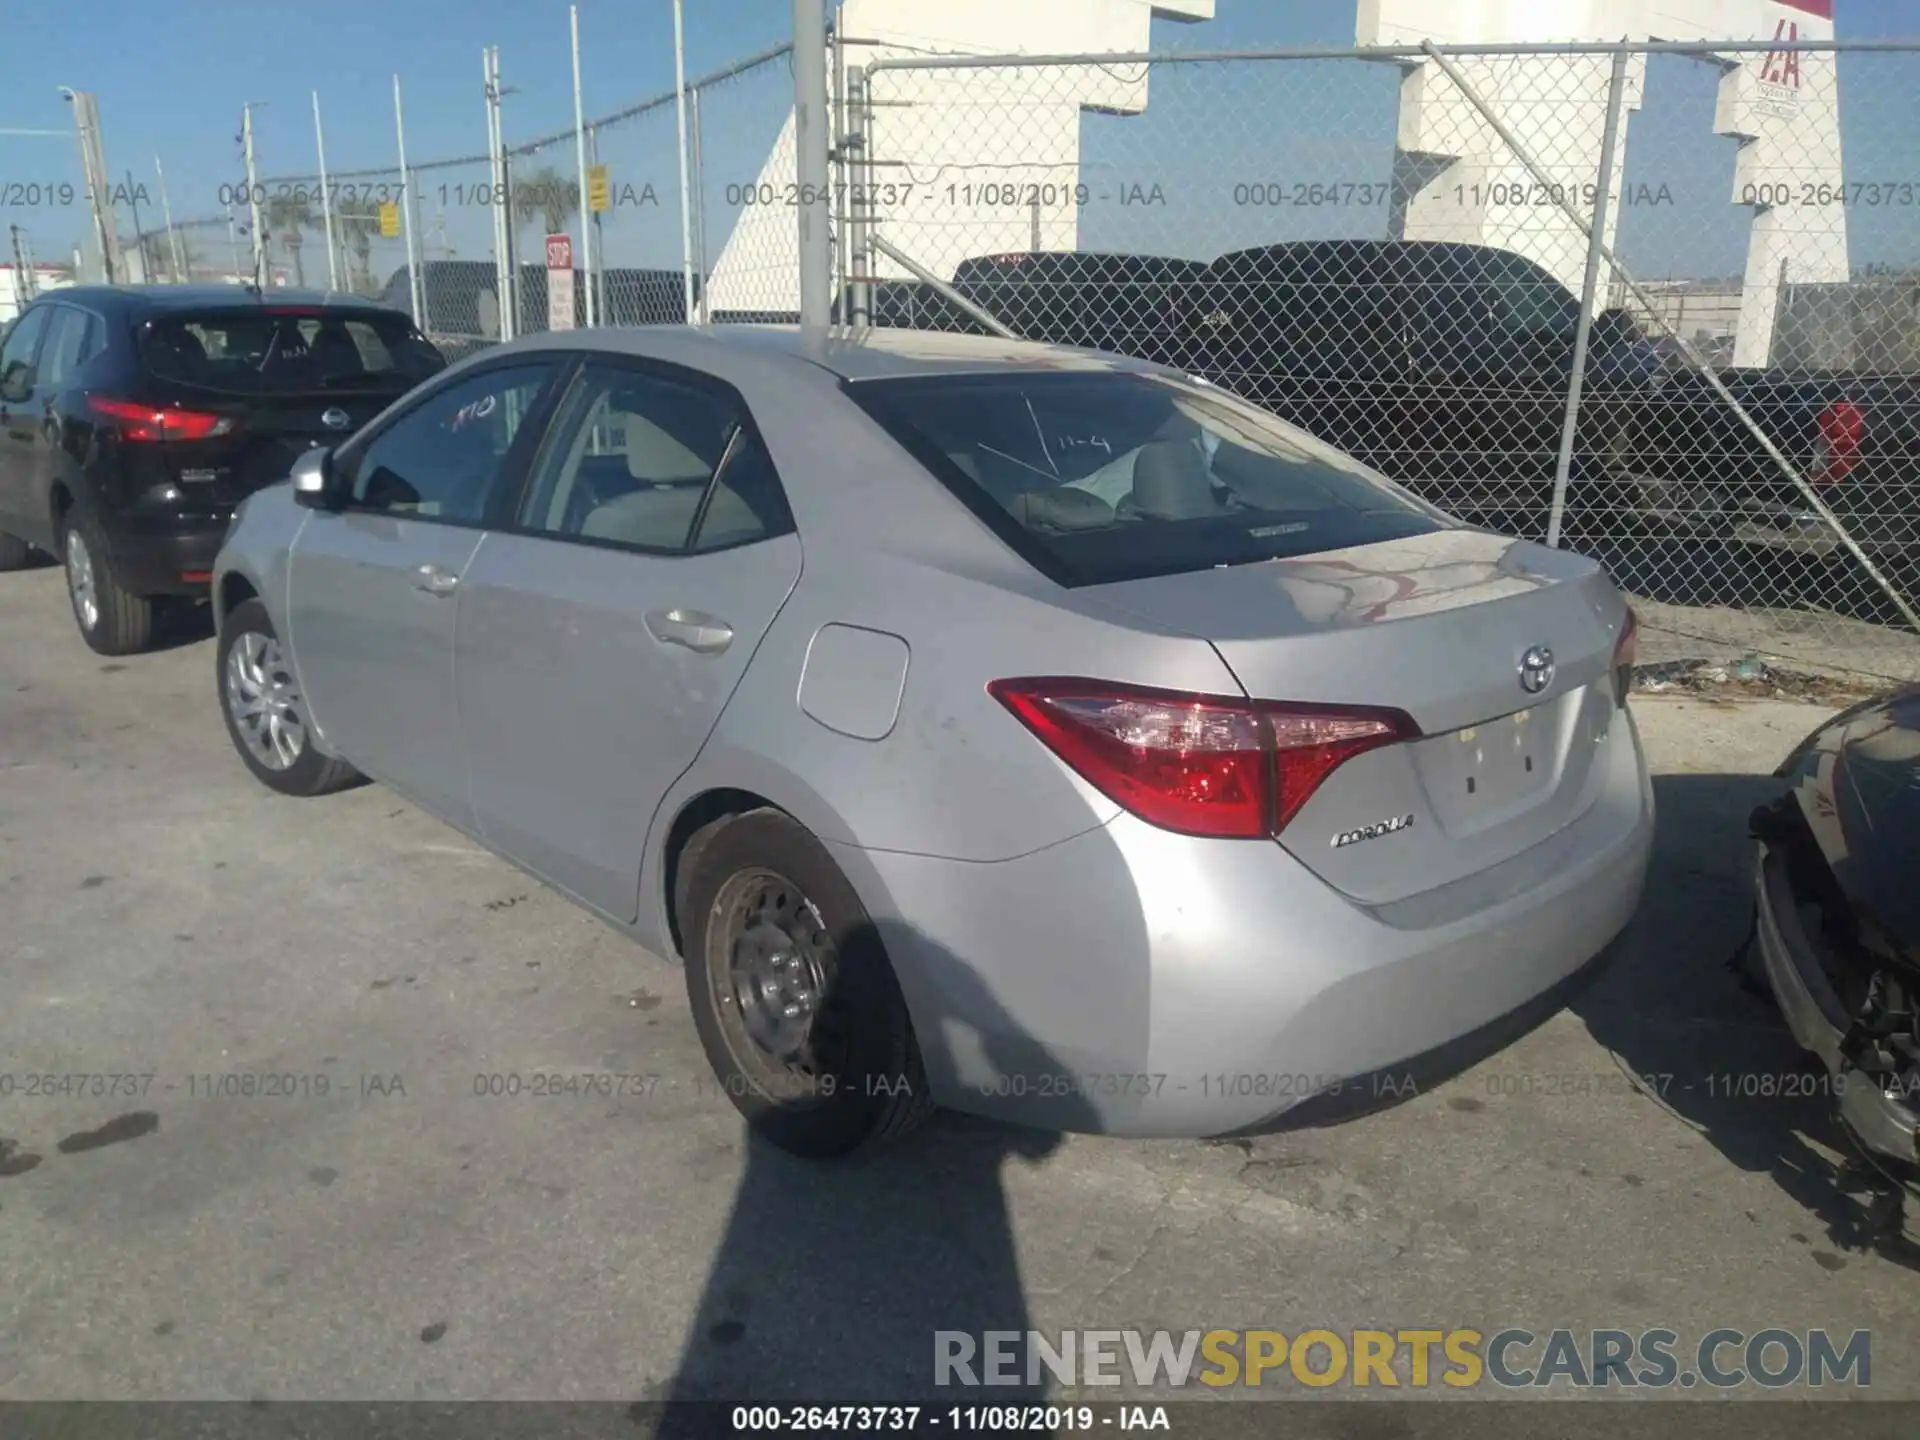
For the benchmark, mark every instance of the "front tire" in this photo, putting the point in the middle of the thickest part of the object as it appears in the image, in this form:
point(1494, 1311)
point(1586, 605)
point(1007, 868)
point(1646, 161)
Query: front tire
point(112, 620)
point(266, 713)
point(793, 995)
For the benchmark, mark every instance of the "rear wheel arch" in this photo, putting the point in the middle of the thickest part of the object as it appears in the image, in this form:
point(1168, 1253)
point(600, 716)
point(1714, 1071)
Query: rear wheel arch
point(234, 590)
point(698, 821)
point(59, 502)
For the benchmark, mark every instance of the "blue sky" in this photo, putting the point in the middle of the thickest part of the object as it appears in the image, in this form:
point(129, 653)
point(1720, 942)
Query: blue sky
point(171, 79)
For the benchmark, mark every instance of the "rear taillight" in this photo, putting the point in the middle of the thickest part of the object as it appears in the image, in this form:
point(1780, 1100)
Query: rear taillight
point(1626, 654)
point(1197, 764)
point(1843, 425)
point(136, 421)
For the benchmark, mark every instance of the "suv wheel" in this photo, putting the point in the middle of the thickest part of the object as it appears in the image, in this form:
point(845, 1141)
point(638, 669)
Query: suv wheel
point(792, 993)
point(112, 620)
point(265, 712)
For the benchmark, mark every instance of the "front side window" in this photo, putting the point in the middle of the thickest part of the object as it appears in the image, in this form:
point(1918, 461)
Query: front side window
point(638, 459)
point(1113, 476)
point(444, 458)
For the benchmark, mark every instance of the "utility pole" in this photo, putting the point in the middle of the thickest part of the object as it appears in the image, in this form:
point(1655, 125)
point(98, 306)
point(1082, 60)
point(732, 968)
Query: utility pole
point(506, 280)
point(139, 234)
point(580, 165)
point(93, 165)
point(253, 200)
point(416, 280)
point(687, 317)
point(326, 196)
point(26, 280)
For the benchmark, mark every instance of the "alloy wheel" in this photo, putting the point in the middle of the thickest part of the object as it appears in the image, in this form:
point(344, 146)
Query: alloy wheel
point(80, 582)
point(264, 700)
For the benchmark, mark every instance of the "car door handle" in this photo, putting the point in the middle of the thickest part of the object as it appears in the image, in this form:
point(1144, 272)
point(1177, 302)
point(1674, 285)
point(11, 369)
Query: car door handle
point(434, 580)
point(699, 632)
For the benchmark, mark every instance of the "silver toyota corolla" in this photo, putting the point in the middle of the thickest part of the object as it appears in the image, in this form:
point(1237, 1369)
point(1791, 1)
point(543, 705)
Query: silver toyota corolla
point(1033, 732)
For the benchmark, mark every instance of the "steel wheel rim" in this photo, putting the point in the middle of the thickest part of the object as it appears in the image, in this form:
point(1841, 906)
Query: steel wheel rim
point(263, 700)
point(778, 956)
point(80, 583)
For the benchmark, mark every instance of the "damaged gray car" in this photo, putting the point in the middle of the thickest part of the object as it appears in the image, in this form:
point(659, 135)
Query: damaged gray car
point(1838, 923)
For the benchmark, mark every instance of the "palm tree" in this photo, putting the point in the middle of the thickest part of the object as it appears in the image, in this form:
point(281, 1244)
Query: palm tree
point(357, 229)
point(548, 194)
point(287, 216)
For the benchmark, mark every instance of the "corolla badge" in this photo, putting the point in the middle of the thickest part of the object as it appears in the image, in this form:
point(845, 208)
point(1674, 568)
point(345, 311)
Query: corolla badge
point(1371, 832)
point(1536, 669)
point(335, 418)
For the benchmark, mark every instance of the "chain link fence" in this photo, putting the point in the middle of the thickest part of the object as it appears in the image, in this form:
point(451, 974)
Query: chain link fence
point(1653, 302)
point(1656, 302)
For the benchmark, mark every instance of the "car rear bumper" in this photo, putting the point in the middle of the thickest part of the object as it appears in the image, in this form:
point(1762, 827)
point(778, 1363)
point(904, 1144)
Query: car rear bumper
point(1135, 982)
point(1883, 1123)
point(158, 554)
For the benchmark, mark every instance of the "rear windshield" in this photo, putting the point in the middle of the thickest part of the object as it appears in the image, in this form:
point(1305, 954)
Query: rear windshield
point(1097, 477)
point(279, 352)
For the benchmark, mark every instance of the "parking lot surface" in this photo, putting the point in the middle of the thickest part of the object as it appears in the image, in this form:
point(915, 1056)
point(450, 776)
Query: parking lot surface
point(300, 1168)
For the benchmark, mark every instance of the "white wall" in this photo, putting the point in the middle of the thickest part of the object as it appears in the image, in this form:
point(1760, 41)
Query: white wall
point(1786, 127)
point(961, 127)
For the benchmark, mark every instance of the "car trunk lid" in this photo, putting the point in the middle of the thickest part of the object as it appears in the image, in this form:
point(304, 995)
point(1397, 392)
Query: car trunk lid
point(1441, 626)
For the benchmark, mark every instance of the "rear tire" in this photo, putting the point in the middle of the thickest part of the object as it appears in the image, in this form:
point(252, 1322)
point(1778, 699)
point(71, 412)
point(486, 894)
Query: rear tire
point(15, 553)
point(793, 995)
point(112, 620)
point(265, 712)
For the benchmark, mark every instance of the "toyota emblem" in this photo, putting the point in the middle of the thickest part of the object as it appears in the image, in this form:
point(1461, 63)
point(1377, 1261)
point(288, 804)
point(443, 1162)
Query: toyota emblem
point(1536, 669)
point(335, 418)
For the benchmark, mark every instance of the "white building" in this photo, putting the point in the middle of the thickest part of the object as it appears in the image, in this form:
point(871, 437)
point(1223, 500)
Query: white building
point(953, 135)
point(16, 292)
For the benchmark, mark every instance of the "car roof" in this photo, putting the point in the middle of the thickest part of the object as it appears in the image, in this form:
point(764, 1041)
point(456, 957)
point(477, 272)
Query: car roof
point(1364, 260)
point(876, 353)
point(162, 298)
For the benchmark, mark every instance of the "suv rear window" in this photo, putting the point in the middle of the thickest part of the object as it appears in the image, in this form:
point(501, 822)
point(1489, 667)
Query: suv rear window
point(285, 351)
point(1098, 477)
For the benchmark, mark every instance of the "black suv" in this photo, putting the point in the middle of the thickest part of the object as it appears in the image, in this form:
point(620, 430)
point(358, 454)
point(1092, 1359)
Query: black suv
point(134, 418)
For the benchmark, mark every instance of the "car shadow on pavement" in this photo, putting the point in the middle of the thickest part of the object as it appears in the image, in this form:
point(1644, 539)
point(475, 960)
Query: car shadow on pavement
point(180, 623)
point(1679, 1010)
point(833, 1277)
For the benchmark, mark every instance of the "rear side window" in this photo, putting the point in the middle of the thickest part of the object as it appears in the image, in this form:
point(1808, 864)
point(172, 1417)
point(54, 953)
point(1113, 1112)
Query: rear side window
point(632, 460)
point(268, 351)
point(1103, 477)
point(73, 340)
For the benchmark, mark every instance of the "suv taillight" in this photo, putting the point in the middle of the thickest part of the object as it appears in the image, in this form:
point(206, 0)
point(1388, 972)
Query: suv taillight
point(135, 421)
point(1626, 654)
point(1216, 766)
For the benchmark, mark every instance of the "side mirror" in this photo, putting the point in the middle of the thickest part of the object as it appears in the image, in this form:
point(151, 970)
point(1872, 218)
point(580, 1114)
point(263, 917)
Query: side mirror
point(313, 479)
